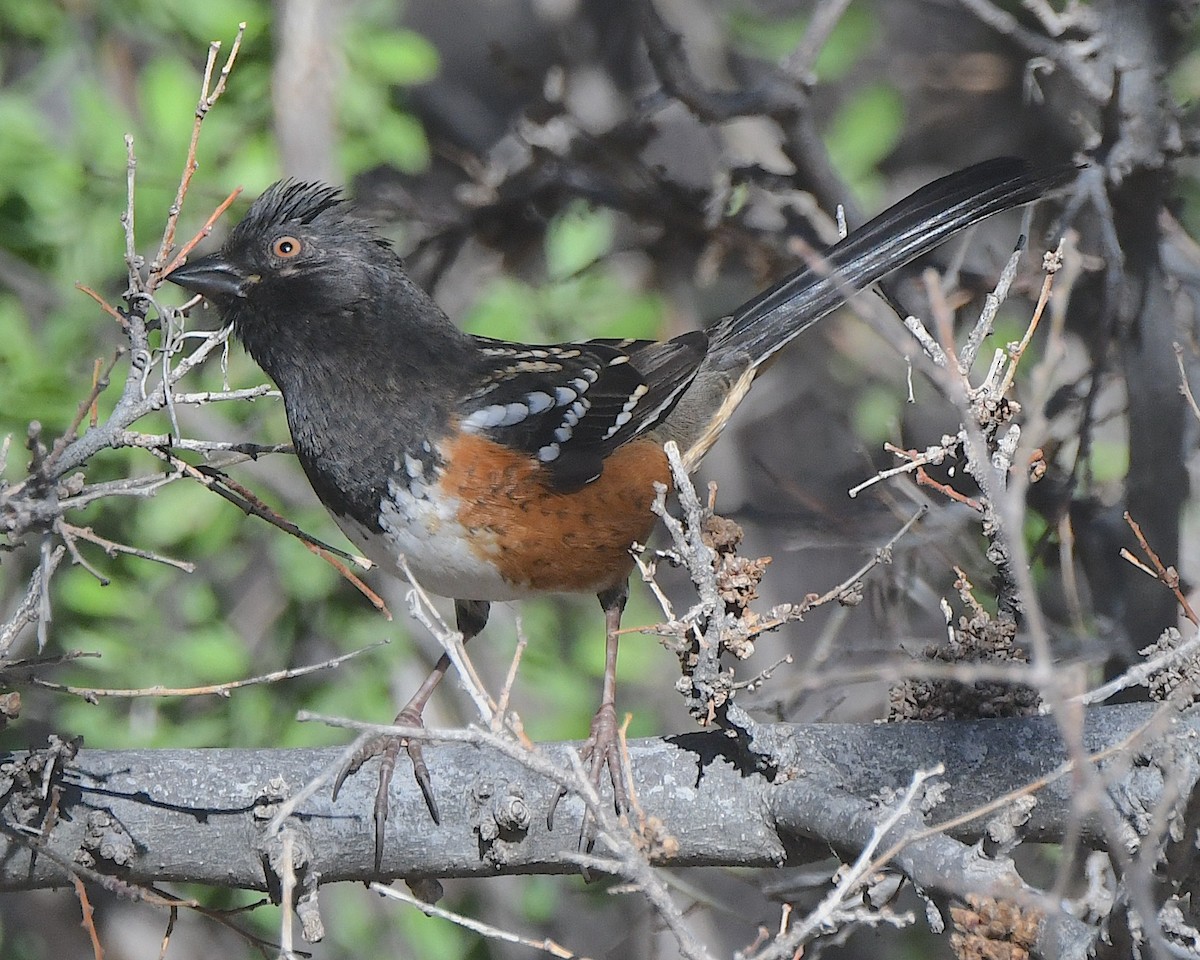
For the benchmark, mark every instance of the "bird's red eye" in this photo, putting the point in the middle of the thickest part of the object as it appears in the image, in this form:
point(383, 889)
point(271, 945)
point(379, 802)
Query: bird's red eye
point(286, 247)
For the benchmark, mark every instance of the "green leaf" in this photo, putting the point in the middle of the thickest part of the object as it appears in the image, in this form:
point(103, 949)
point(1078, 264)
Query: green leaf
point(864, 132)
point(78, 591)
point(877, 414)
point(303, 573)
point(577, 238)
point(396, 56)
point(851, 38)
point(430, 937)
point(774, 38)
point(218, 20)
point(33, 21)
point(1110, 460)
point(399, 139)
point(506, 310)
point(167, 92)
point(181, 512)
point(597, 304)
point(376, 135)
point(213, 653)
point(255, 165)
point(540, 899)
point(768, 38)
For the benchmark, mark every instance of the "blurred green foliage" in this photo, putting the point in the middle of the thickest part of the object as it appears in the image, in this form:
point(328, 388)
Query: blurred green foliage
point(864, 132)
point(73, 82)
point(869, 121)
point(877, 413)
point(774, 37)
point(74, 78)
point(582, 296)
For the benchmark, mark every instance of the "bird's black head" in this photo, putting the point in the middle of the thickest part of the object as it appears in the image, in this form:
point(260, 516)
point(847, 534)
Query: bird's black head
point(298, 248)
point(359, 351)
point(309, 287)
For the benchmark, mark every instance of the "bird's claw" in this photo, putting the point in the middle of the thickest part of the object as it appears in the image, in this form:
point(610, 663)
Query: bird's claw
point(602, 749)
point(387, 748)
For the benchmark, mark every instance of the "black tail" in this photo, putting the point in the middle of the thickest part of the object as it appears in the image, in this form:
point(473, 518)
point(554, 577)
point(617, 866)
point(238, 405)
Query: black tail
point(900, 234)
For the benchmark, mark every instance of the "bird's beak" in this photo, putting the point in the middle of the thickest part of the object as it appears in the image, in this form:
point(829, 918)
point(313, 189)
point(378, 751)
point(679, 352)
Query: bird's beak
point(213, 276)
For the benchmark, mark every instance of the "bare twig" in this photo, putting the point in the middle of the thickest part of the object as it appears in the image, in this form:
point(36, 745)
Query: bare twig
point(987, 316)
point(800, 63)
point(31, 606)
point(200, 234)
point(92, 694)
point(835, 908)
point(209, 94)
point(1051, 264)
point(70, 532)
point(1167, 576)
point(1185, 386)
point(104, 305)
point(545, 945)
point(421, 607)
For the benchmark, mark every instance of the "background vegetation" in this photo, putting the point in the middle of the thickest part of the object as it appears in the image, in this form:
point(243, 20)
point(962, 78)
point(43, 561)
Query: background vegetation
point(425, 112)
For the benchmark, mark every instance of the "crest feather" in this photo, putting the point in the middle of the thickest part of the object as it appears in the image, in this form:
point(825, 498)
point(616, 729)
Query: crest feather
point(286, 201)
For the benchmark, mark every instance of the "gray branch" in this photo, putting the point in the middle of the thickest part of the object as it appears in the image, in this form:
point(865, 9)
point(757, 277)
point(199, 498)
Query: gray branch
point(199, 815)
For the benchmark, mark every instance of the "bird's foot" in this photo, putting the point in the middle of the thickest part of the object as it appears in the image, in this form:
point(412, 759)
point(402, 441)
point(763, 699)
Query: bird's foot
point(387, 748)
point(602, 749)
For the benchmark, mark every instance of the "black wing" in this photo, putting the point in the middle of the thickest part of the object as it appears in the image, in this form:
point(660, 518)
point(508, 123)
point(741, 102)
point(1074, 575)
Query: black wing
point(570, 405)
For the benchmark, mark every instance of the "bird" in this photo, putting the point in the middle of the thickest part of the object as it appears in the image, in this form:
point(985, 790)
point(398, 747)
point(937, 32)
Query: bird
point(501, 470)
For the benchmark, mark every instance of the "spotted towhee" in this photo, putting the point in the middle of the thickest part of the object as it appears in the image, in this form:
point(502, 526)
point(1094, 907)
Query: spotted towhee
point(505, 470)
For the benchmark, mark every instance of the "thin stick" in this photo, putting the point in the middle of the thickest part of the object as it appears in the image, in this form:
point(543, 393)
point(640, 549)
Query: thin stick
point(1051, 264)
point(100, 382)
point(92, 694)
point(546, 945)
point(104, 305)
point(203, 232)
point(1184, 386)
point(1168, 576)
point(112, 548)
point(208, 98)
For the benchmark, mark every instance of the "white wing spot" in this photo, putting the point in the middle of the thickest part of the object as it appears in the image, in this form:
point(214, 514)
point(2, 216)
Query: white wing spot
point(563, 396)
point(621, 419)
point(514, 413)
point(626, 413)
point(539, 402)
point(548, 452)
point(485, 418)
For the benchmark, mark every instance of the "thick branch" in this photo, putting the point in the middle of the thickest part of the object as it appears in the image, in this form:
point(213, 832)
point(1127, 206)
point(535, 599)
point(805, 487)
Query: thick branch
point(200, 815)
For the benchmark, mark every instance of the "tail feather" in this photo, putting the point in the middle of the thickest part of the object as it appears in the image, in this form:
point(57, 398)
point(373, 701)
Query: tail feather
point(900, 234)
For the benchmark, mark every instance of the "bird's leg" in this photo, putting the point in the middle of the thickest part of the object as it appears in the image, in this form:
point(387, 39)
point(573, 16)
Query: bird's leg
point(472, 616)
point(603, 747)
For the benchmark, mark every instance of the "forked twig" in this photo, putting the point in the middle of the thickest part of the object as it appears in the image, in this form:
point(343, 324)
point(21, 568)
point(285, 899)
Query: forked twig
point(1167, 576)
point(209, 95)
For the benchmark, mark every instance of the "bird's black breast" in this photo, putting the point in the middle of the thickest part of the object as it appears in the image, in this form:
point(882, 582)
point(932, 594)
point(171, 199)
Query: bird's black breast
point(361, 426)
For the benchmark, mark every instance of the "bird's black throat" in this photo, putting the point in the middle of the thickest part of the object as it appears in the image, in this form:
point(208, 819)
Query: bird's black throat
point(363, 395)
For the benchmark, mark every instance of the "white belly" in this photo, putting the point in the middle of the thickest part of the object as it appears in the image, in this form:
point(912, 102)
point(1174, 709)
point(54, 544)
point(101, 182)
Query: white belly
point(446, 558)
